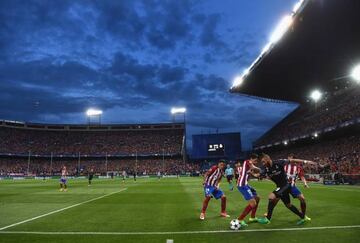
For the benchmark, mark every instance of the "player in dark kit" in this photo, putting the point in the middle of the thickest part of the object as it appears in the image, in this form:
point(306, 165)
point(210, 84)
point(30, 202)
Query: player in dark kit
point(90, 176)
point(274, 170)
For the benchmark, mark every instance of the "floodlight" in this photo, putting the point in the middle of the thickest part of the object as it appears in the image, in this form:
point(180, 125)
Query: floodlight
point(316, 95)
point(297, 6)
point(266, 48)
point(246, 72)
point(285, 142)
point(281, 28)
point(316, 135)
point(93, 112)
point(178, 110)
point(238, 81)
point(355, 74)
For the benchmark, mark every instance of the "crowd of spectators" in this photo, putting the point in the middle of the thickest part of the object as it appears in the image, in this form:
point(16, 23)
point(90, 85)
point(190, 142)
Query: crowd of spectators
point(340, 155)
point(332, 110)
point(37, 167)
point(45, 142)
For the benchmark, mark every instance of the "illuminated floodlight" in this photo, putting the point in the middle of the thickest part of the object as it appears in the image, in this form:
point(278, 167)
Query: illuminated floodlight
point(285, 142)
point(266, 48)
point(297, 6)
point(316, 134)
point(355, 74)
point(93, 112)
point(316, 95)
point(281, 29)
point(246, 72)
point(178, 110)
point(238, 81)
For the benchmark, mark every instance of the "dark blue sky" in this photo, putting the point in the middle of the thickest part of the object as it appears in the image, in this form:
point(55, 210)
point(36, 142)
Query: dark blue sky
point(135, 60)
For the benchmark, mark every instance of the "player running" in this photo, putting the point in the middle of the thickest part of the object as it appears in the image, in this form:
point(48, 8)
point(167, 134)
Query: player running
point(276, 172)
point(248, 192)
point(229, 172)
point(63, 179)
point(211, 188)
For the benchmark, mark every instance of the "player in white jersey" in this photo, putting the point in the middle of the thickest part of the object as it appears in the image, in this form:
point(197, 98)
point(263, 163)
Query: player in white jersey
point(248, 192)
point(124, 175)
point(63, 179)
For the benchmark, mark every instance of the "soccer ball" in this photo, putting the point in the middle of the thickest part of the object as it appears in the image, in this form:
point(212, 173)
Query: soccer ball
point(235, 224)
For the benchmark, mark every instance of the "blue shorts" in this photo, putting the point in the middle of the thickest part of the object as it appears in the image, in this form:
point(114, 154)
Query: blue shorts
point(295, 192)
point(247, 191)
point(213, 192)
point(63, 181)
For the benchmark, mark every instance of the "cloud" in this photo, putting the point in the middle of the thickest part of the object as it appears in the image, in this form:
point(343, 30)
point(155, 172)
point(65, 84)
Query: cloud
point(209, 37)
point(59, 57)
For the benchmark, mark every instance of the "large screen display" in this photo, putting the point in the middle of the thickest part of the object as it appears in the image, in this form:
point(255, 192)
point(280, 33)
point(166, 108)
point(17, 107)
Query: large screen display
point(216, 149)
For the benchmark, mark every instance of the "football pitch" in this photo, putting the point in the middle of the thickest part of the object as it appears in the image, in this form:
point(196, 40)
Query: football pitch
point(150, 210)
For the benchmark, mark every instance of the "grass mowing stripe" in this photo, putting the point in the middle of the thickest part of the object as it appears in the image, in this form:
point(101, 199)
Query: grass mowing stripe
point(60, 210)
point(181, 232)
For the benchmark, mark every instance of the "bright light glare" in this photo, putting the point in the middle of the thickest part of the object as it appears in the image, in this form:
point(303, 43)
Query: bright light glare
point(297, 5)
point(93, 112)
point(178, 110)
point(316, 135)
point(316, 95)
point(355, 74)
point(238, 81)
point(281, 28)
point(285, 143)
point(266, 48)
point(246, 72)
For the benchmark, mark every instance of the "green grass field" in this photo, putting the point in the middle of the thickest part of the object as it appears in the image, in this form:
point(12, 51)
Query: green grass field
point(153, 211)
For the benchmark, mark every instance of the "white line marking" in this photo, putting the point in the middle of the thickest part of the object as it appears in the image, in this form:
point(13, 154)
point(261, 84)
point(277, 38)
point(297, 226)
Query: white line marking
point(179, 232)
point(60, 210)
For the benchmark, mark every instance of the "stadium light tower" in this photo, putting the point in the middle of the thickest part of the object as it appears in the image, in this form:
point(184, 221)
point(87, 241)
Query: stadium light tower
point(174, 111)
point(316, 95)
point(94, 113)
point(355, 74)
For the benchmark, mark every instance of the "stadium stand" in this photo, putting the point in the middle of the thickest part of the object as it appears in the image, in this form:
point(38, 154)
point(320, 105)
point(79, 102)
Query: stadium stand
point(34, 149)
point(41, 166)
point(290, 68)
point(90, 140)
point(336, 110)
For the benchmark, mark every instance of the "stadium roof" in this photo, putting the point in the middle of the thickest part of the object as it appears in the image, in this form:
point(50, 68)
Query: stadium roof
point(317, 51)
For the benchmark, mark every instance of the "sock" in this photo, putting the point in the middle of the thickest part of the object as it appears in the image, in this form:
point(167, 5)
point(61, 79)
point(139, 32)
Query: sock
point(223, 204)
point(296, 211)
point(303, 207)
point(205, 204)
point(271, 207)
point(245, 212)
point(254, 209)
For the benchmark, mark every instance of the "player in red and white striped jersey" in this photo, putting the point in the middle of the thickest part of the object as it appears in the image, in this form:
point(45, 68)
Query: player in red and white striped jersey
point(295, 171)
point(248, 192)
point(211, 182)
